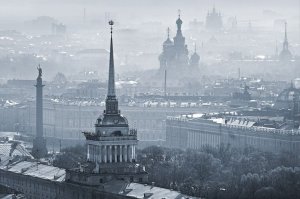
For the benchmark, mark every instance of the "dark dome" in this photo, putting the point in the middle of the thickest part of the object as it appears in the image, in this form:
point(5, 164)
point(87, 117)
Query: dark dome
point(178, 21)
point(113, 120)
point(168, 42)
point(195, 57)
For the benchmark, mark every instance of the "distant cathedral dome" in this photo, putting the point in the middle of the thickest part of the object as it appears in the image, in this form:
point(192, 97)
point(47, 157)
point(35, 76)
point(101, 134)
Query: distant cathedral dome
point(195, 58)
point(179, 21)
point(175, 55)
point(168, 42)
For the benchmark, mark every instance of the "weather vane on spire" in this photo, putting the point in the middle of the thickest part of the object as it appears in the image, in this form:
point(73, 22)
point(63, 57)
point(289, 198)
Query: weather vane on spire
point(179, 13)
point(111, 23)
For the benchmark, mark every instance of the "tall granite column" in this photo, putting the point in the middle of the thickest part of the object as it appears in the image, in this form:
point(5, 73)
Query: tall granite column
point(39, 149)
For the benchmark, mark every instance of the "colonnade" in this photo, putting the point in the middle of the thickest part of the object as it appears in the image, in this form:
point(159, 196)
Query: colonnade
point(111, 153)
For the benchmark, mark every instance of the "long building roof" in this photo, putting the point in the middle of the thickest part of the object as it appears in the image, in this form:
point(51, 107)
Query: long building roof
point(35, 169)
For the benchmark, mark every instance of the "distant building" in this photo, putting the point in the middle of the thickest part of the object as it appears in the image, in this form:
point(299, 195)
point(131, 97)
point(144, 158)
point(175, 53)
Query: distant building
point(58, 29)
point(111, 170)
point(175, 56)
point(214, 20)
point(195, 131)
point(289, 101)
point(287, 98)
point(285, 54)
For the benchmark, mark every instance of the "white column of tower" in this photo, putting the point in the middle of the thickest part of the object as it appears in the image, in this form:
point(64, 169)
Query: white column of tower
point(121, 153)
point(88, 152)
point(96, 153)
point(116, 153)
point(133, 152)
point(105, 153)
point(92, 153)
point(100, 153)
point(110, 154)
point(125, 152)
point(130, 153)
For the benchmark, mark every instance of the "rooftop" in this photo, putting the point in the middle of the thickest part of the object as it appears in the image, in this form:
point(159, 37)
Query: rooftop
point(35, 169)
point(134, 190)
point(266, 124)
point(12, 149)
point(137, 190)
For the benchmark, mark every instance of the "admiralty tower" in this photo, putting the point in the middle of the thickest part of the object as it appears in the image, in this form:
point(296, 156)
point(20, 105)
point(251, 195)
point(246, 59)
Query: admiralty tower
point(111, 149)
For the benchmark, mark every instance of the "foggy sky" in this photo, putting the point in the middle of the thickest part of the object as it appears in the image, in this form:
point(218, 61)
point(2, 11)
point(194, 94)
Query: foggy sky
point(135, 10)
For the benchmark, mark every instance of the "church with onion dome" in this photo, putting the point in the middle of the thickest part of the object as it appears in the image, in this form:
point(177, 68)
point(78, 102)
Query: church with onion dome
point(175, 57)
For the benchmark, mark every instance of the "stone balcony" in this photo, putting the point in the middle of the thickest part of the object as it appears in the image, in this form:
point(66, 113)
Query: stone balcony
point(93, 136)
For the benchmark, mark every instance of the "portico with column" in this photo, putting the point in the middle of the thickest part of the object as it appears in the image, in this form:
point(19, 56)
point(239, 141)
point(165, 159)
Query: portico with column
point(100, 152)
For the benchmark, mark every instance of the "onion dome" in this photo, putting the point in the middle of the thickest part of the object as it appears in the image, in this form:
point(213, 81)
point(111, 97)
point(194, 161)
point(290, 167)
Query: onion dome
point(168, 42)
point(195, 58)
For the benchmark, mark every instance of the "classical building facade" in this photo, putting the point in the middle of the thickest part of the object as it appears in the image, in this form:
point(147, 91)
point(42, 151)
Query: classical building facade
point(196, 132)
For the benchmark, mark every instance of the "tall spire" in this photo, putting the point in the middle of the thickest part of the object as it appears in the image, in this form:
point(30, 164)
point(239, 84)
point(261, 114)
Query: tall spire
point(111, 100)
point(285, 43)
point(111, 78)
point(168, 31)
point(285, 31)
point(179, 24)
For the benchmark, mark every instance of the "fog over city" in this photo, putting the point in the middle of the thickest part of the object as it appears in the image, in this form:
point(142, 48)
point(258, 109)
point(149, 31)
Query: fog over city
point(142, 28)
point(150, 99)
